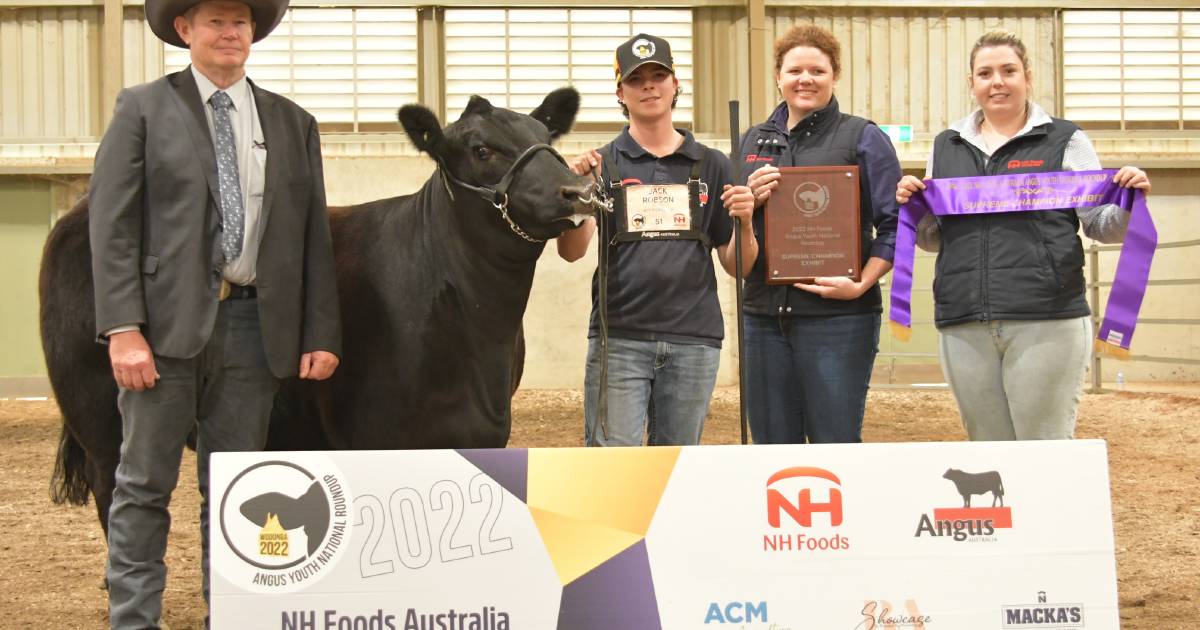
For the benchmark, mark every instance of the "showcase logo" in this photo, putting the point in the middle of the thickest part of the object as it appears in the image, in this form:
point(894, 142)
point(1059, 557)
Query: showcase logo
point(800, 482)
point(974, 524)
point(882, 615)
point(1042, 615)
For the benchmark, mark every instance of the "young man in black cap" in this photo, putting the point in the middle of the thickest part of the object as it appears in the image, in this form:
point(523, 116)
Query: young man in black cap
point(656, 326)
point(189, 170)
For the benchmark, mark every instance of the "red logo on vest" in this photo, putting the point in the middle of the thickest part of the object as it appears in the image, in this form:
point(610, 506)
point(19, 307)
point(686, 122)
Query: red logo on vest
point(1025, 164)
point(754, 157)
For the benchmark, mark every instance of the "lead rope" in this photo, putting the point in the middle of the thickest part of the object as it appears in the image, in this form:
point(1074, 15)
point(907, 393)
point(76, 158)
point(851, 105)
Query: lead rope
point(602, 279)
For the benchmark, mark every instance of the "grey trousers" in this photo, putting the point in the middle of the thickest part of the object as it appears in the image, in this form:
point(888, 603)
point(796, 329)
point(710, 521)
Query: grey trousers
point(1016, 379)
point(226, 392)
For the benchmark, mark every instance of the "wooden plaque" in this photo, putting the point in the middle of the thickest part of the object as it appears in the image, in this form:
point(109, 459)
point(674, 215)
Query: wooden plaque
point(813, 226)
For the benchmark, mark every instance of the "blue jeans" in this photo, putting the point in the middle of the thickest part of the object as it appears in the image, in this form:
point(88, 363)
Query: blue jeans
point(675, 380)
point(807, 377)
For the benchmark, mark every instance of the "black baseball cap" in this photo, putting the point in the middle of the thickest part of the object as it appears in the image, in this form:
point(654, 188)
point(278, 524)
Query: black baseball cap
point(640, 50)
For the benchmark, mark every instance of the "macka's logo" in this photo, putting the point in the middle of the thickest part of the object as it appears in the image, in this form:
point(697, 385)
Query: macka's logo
point(1025, 164)
point(1042, 615)
point(807, 498)
point(967, 523)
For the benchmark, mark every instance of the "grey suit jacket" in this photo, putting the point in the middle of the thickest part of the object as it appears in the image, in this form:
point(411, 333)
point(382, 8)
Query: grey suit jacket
point(154, 222)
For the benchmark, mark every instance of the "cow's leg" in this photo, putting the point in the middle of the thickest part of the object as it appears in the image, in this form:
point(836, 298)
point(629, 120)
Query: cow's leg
point(102, 477)
point(104, 453)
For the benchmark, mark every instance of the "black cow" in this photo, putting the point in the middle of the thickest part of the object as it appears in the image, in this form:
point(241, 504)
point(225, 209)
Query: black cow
point(432, 287)
point(977, 483)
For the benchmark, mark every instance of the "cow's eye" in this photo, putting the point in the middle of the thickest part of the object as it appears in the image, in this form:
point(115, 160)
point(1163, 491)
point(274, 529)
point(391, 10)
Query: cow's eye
point(483, 153)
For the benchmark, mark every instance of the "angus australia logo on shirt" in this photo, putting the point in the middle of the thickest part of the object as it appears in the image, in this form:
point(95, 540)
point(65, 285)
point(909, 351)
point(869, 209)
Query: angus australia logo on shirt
point(1012, 164)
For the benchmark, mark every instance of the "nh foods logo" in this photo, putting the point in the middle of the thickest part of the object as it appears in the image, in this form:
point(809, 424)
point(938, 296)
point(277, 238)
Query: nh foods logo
point(285, 522)
point(809, 500)
point(1042, 615)
point(970, 524)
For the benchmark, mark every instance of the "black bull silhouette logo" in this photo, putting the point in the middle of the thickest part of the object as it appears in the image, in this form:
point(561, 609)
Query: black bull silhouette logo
point(977, 483)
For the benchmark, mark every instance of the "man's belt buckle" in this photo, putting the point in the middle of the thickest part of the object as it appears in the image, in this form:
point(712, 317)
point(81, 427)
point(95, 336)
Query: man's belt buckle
point(225, 290)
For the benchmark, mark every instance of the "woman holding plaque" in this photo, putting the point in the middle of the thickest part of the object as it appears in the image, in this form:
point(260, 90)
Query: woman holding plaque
point(1015, 328)
point(810, 346)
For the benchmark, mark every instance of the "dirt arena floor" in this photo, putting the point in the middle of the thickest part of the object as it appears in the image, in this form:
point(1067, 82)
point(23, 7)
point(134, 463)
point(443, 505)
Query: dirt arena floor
point(52, 557)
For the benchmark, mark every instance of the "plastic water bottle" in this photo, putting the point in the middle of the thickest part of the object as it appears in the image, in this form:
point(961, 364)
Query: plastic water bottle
point(1120, 381)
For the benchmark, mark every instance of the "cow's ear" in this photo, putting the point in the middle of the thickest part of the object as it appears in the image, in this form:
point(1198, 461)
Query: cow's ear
point(558, 111)
point(423, 129)
point(477, 105)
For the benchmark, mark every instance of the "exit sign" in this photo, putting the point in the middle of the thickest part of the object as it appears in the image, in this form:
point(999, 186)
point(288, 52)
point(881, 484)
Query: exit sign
point(898, 133)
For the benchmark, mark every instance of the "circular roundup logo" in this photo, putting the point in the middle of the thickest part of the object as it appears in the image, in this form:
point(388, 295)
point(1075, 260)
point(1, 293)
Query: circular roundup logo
point(643, 48)
point(284, 524)
point(811, 198)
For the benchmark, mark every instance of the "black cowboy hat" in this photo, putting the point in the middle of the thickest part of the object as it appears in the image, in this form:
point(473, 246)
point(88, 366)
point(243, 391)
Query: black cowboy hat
point(161, 14)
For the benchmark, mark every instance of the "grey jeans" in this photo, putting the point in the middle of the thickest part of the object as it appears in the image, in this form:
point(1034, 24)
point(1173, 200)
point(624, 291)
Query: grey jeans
point(1017, 379)
point(226, 391)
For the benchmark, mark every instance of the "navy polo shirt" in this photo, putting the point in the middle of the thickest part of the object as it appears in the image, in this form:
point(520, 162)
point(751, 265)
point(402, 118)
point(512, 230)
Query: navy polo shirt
point(666, 290)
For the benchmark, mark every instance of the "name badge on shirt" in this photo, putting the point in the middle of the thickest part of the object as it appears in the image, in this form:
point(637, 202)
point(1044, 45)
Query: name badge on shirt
point(656, 207)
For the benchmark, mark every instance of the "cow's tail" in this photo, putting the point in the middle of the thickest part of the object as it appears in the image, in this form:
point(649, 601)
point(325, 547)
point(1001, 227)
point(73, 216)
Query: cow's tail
point(68, 483)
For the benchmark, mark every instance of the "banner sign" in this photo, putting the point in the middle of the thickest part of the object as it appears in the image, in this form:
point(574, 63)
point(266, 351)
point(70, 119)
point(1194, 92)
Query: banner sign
point(856, 537)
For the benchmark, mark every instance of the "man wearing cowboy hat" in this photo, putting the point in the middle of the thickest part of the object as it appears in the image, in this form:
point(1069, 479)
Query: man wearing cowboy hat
point(207, 220)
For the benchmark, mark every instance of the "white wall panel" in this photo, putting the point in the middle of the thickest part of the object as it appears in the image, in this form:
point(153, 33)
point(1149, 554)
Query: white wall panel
point(909, 66)
point(49, 73)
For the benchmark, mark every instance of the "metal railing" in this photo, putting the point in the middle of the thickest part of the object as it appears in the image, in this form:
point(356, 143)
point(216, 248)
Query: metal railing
point(1094, 285)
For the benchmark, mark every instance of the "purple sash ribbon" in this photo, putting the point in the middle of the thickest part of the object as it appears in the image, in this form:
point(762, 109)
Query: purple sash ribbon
point(1026, 193)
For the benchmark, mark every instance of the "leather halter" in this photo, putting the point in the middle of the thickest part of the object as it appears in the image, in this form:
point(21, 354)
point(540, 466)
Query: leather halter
point(498, 196)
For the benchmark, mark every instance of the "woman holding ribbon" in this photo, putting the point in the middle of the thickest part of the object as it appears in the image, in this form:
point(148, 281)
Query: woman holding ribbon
point(1015, 333)
point(810, 348)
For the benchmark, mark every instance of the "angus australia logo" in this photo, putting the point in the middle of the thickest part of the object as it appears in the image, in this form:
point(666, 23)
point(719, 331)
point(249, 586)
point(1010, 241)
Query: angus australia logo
point(1042, 615)
point(816, 518)
point(967, 523)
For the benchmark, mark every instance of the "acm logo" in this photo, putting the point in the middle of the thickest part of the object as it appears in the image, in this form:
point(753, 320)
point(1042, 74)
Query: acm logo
point(736, 612)
point(800, 512)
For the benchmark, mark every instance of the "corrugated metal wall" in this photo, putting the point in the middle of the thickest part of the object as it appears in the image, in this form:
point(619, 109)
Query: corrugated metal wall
point(909, 66)
point(721, 52)
point(143, 53)
point(49, 73)
point(904, 66)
